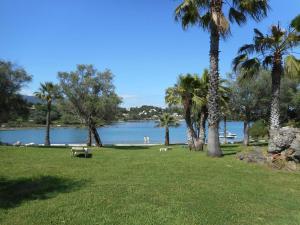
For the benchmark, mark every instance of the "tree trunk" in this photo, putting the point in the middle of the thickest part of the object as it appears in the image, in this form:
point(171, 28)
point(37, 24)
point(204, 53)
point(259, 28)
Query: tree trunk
point(214, 149)
point(275, 101)
point(246, 133)
point(167, 136)
point(89, 140)
point(202, 130)
point(96, 136)
point(48, 120)
point(94, 132)
point(190, 139)
point(225, 129)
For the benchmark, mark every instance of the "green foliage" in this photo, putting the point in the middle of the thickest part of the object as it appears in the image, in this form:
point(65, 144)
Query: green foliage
point(259, 129)
point(12, 79)
point(90, 93)
point(266, 50)
point(48, 92)
point(205, 14)
point(249, 101)
point(296, 23)
point(142, 186)
point(167, 120)
point(39, 112)
point(143, 112)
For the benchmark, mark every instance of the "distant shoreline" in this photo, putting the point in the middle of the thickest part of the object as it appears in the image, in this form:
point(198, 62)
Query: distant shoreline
point(39, 126)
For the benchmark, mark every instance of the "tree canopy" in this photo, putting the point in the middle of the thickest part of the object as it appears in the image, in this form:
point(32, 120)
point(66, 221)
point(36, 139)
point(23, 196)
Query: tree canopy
point(12, 79)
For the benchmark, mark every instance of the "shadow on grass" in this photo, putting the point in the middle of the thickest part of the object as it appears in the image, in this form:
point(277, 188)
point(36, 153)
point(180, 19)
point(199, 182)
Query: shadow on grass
point(127, 147)
point(258, 144)
point(48, 147)
point(15, 192)
point(230, 149)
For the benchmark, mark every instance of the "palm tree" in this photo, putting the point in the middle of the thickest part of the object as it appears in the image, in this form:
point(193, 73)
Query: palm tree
point(201, 101)
point(48, 92)
point(166, 121)
point(191, 92)
point(209, 14)
point(275, 51)
point(183, 93)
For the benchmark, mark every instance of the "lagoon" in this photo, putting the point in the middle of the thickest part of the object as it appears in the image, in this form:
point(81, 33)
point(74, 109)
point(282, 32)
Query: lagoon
point(116, 133)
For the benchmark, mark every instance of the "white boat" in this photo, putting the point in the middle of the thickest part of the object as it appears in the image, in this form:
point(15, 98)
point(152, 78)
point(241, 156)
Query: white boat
point(228, 135)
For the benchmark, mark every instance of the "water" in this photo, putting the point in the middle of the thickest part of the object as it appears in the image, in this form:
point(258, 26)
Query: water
point(117, 133)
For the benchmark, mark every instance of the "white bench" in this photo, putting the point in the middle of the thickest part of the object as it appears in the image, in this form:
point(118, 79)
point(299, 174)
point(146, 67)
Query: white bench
point(75, 151)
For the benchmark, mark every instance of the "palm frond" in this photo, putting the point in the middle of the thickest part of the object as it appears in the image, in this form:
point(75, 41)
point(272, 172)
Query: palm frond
point(296, 23)
point(268, 61)
point(248, 48)
point(292, 67)
point(188, 13)
point(258, 33)
point(257, 9)
point(238, 60)
point(236, 16)
point(221, 22)
point(249, 69)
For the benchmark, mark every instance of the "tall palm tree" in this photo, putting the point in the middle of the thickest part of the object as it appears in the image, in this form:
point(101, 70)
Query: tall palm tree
point(275, 51)
point(48, 92)
point(209, 14)
point(166, 121)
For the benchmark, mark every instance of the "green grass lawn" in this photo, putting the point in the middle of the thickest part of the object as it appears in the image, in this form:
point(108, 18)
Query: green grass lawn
point(139, 185)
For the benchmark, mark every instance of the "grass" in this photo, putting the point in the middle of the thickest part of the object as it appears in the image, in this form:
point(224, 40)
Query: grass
point(142, 186)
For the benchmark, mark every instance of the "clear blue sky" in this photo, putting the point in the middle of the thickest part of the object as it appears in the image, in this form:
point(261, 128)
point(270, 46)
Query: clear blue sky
point(137, 39)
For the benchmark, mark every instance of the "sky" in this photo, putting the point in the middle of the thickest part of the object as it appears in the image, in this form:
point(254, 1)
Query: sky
point(138, 40)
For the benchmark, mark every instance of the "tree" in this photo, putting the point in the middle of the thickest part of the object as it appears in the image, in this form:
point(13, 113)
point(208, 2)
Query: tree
point(200, 100)
point(48, 92)
point(183, 93)
point(191, 92)
point(166, 121)
point(275, 51)
point(92, 95)
point(210, 16)
point(249, 100)
point(12, 79)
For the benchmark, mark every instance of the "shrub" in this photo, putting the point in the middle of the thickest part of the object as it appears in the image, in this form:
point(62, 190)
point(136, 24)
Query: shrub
point(259, 129)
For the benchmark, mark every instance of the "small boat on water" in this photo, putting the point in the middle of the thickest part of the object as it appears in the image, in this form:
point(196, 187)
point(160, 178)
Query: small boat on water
point(228, 135)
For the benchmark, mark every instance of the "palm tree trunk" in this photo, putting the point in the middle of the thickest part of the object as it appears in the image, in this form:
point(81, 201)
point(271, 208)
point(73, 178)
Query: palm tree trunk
point(48, 118)
point(246, 133)
point(193, 141)
point(225, 129)
point(167, 136)
point(275, 101)
point(214, 149)
point(202, 129)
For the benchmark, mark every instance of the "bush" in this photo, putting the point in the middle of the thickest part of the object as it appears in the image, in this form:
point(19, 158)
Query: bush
point(259, 129)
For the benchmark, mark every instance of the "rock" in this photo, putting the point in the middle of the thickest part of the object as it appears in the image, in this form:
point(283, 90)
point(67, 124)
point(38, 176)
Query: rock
point(295, 145)
point(291, 166)
point(255, 156)
point(296, 156)
point(282, 139)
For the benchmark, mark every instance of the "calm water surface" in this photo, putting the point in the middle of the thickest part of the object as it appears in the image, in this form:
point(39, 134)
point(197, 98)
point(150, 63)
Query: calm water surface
point(117, 133)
